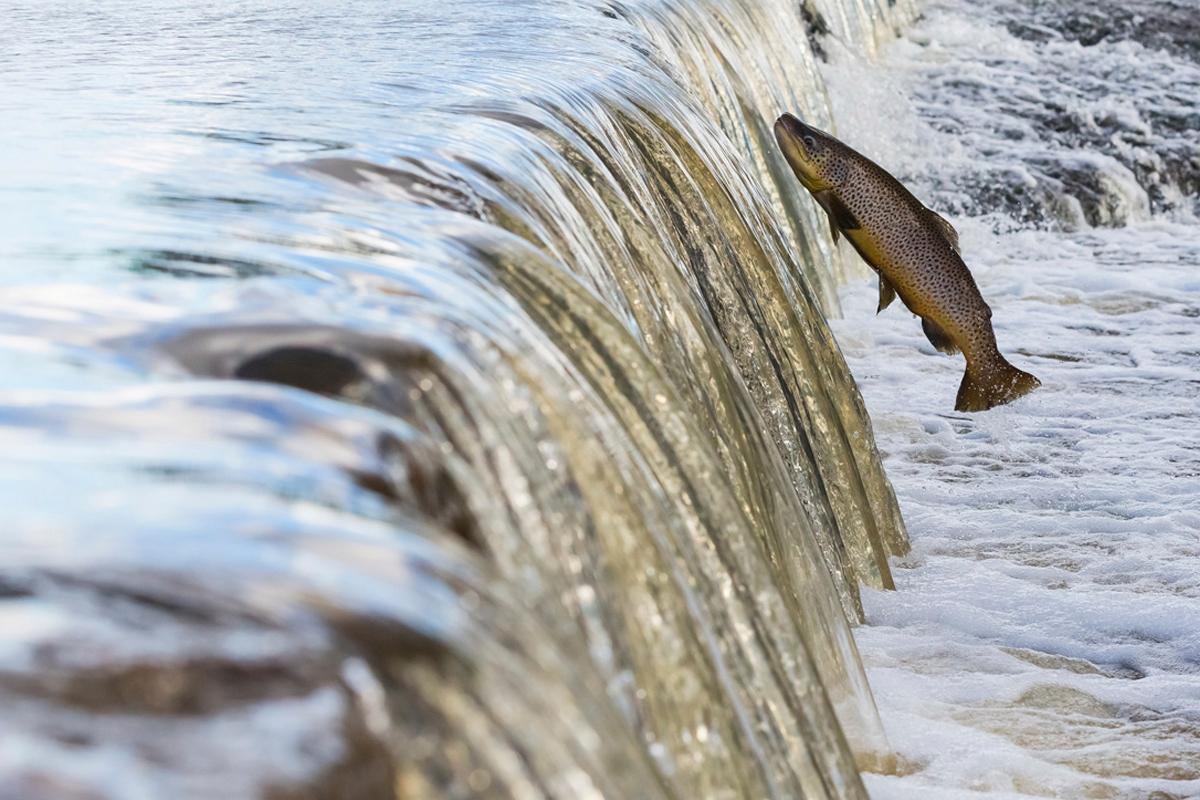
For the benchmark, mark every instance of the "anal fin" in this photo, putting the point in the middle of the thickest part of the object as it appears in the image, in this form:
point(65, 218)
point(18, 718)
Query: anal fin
point(938, 337)
point(887, 293)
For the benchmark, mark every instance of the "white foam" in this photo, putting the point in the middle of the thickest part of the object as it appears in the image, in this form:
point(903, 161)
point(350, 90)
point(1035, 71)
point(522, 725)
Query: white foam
point(1044, 640)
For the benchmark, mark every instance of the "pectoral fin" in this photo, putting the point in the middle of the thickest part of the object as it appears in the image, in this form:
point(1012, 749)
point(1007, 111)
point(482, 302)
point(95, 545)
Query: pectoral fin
point(887, 293)
point(938, 337)
point(840, 217)
point(947, 229)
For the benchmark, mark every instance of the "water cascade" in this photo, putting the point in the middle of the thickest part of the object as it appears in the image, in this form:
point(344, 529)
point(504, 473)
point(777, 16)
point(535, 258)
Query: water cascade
point(501, 452)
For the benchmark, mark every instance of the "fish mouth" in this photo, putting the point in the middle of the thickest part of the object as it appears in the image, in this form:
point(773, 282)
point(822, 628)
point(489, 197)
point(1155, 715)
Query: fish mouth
point(790, 128)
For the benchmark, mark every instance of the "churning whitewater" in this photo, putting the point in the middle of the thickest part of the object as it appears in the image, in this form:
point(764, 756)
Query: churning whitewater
point(1044, 640)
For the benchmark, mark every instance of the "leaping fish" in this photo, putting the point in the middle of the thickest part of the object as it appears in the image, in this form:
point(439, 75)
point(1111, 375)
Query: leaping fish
point(914, 250)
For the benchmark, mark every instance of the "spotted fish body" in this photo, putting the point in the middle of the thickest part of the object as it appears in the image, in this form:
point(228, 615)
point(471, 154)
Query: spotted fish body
point(914, 250)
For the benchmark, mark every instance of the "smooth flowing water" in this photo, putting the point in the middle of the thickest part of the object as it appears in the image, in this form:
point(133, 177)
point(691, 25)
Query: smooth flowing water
point(429, 400)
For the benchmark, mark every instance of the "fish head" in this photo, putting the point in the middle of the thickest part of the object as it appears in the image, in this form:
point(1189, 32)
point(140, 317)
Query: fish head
point(819, 160)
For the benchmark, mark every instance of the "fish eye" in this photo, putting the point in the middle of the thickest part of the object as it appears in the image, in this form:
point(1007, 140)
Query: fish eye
point(809, 141)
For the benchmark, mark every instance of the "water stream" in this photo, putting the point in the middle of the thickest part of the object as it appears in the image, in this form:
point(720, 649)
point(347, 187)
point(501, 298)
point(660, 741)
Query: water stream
point(434, 400)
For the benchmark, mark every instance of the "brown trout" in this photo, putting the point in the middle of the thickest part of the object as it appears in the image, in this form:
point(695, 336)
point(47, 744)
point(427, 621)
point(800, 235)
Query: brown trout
point(914, 250)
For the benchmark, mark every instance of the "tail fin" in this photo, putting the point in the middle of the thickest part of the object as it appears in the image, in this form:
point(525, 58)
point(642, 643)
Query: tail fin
point(993, 385)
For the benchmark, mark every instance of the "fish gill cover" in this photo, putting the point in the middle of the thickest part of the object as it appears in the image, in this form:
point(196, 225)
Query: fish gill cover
point(428, 402)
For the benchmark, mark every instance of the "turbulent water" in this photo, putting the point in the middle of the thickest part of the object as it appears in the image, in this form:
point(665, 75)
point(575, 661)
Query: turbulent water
point(1044, 641)
point(428, 400)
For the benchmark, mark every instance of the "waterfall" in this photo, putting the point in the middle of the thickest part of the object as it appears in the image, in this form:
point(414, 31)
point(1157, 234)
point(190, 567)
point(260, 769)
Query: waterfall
point(512, 457)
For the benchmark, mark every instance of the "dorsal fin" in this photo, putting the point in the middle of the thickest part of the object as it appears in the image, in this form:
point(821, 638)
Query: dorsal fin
point(887, 293)
point(947, 229)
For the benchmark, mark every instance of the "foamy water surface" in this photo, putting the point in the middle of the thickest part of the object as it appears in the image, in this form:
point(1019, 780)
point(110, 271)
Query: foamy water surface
point(1045, 638)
